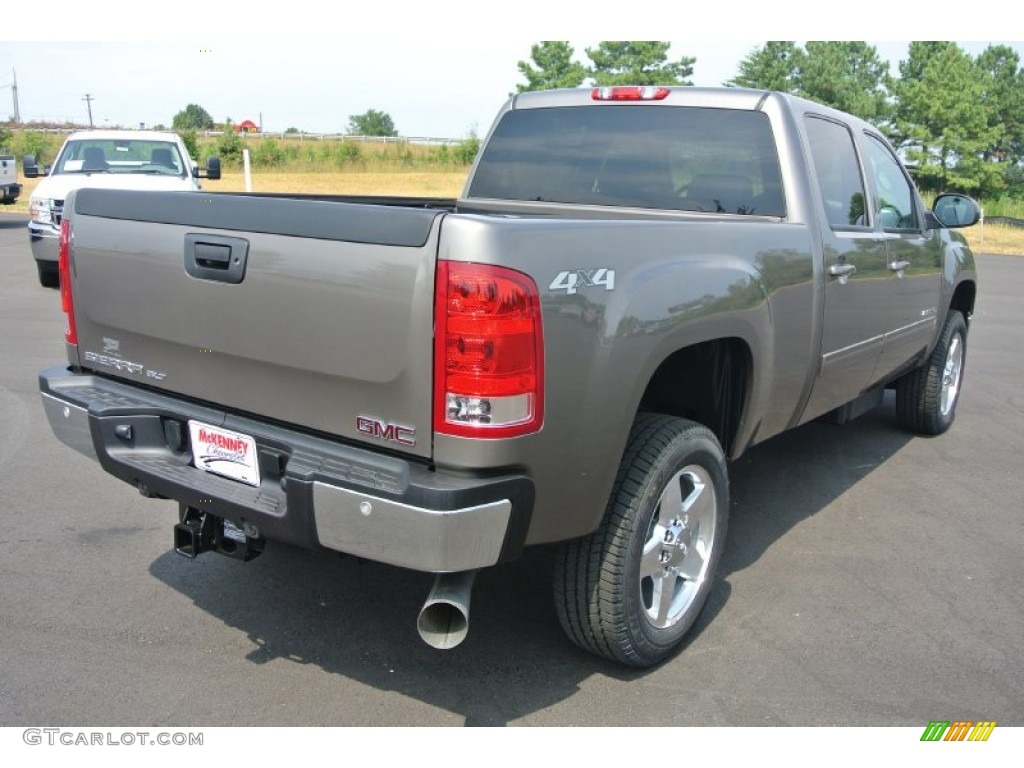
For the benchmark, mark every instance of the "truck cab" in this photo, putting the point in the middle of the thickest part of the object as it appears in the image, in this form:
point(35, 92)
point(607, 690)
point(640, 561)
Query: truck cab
point(133, 160)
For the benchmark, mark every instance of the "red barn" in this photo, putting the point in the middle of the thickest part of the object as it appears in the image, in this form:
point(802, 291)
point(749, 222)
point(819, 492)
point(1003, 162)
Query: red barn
point(247, 126)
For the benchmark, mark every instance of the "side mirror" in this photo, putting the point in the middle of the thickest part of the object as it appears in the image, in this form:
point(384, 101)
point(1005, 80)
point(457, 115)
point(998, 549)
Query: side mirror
point(956, 211)
point(212, 169)
point(29, 167)
point(890, 217)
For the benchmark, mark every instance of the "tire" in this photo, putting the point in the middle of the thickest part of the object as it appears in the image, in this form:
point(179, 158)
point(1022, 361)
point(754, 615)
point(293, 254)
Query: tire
point(632, 589)
point(48, 275)
point(926, 397)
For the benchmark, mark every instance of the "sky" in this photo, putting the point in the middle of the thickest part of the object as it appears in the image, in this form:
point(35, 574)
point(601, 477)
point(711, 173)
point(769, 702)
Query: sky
point(439, 70)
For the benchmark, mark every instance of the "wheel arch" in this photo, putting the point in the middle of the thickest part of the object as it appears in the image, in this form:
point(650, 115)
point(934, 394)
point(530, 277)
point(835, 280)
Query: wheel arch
point(963, 299)
point(708, 382)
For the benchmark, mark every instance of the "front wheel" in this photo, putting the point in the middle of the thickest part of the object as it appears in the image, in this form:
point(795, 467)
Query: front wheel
point(632, 589)
point(926, 397)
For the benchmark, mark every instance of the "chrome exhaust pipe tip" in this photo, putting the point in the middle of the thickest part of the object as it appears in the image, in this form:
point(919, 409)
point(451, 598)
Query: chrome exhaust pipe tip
point(443, 622)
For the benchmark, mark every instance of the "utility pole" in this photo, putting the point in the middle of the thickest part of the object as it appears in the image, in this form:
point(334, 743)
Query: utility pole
point(88, 100)
point(14, 90)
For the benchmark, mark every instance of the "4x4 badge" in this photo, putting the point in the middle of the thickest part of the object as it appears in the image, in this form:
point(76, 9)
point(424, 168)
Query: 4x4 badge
point(571, 281)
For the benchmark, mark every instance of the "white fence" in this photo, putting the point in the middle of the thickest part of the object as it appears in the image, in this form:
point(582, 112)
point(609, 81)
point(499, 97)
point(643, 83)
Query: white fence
point(341, 137)
point(301, 136)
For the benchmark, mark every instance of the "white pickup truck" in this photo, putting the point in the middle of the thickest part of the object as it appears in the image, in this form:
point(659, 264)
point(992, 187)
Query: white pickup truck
point(134, 160)
point(9, 186)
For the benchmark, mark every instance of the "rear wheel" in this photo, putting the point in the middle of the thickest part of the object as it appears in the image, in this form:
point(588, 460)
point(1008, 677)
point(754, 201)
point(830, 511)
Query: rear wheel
point(632, 589)
point(926, 397)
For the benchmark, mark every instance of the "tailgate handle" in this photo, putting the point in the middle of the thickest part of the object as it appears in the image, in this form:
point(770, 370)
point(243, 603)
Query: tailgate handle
point(216, 257)
point(213, 256)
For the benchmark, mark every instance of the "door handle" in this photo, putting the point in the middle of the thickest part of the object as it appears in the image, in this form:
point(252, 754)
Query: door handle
point(842, 270)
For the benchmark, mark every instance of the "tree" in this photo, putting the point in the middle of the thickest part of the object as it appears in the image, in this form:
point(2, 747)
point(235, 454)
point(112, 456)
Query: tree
point(467, 149)
point(847, 75)
point(942, 122)
point(554, 67)
point(638, 62)
point(371, 123)
point(188, 138)
point(911, 119)
point(229, 144)
point(193, 116)
point(1003, 86)
point(773, 67)
point(5, 137)
point(920, 53)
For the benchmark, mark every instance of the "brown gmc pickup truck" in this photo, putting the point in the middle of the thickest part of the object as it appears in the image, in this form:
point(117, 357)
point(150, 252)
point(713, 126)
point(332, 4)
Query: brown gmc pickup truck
point(637, 284)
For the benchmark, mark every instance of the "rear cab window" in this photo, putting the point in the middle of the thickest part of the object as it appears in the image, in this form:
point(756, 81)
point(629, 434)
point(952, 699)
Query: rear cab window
point(667, 158)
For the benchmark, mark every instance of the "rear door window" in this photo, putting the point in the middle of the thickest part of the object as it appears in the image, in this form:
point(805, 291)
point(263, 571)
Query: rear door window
point(838, 173)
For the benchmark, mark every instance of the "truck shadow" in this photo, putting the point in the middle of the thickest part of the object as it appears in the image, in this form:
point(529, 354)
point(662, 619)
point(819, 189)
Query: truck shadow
point(795, 475)
point(357, 619)
point(10, 220)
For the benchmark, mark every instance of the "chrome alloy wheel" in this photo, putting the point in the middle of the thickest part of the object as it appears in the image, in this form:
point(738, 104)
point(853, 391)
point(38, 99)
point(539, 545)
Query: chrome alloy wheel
point(634, 588)
point(951, 375)
point(677, 549)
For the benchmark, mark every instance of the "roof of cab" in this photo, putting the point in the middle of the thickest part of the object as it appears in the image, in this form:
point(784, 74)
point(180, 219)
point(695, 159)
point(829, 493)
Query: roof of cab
point(690, 96)
point(132, 135)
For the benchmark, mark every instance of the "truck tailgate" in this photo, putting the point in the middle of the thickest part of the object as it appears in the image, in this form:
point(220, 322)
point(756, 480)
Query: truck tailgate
point(317, 314)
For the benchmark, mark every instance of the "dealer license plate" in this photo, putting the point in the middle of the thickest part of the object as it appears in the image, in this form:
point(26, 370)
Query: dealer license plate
point(223, 452)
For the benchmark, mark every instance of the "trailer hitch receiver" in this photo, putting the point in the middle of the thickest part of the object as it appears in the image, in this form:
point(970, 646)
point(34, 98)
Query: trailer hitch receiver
point(201, 531)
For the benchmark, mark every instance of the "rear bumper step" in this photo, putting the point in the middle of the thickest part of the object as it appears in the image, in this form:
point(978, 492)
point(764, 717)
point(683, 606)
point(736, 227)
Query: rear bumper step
point(313, 492)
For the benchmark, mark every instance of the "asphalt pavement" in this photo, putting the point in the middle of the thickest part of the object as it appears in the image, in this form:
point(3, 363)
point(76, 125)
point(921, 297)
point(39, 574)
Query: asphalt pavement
point(871, 578)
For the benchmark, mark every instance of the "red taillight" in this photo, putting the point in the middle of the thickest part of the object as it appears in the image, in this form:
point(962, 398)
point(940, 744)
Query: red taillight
point(488, 352)
point(629, 93)
point(67, 302)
